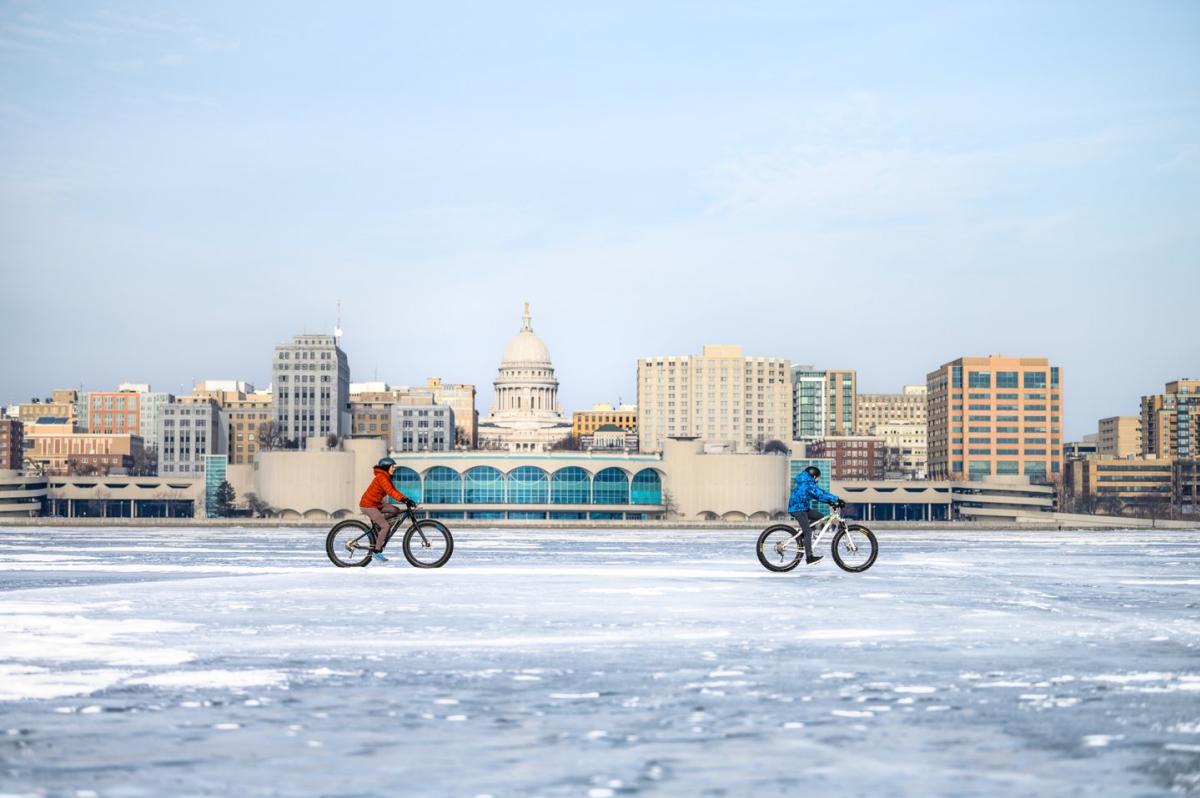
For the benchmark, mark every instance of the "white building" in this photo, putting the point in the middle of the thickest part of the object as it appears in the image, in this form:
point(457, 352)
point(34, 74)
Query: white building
point(525, 415)
point(310, 378)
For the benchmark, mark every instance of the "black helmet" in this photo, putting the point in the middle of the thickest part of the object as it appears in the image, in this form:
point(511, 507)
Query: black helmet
point(813, 472)
point(386, 462)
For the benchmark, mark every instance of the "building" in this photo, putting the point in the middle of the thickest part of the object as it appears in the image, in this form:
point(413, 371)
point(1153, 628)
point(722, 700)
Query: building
point(421, 428)
point(1185, 488)
point(720, 396)
point(56, 447)
point(459, 397)
point(114, 412)
point(124, 497)
point(311, 383)
point(190, 430)
point(886, 408)
point(1120, 436)
point(247, 419)
point(1110, 484)
point(1171, 421)
point(22, 495)
point(371, 402)
point(824, 402)
point(850, 456)
point(1080, 450)
point(586, 422)
point(150, 404)
point(995, 415)
point(12, 444)
point(63, 403)
point(609, 438)
point(525, 416)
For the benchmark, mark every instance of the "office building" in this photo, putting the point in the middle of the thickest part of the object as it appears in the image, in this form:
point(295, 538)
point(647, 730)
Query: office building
point(1120, 436)
point(1171, 421)
point(247, 419)
point(824, 402)
point(720, 396)
point(311, 383)
point(1110, 484)
point(190, 430)
point(586, 422)
point(421, 428)
point(371, 402)
point(907, 407)
point(901, 420)
point(114, 412)
point(57, 447)
point(62, 404)
point(995, 416)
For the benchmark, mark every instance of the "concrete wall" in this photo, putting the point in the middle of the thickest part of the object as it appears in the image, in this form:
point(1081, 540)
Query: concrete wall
point(317, 483)
point(731, 487)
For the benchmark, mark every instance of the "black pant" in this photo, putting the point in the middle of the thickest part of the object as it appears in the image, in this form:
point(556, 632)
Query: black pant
point(805, 519)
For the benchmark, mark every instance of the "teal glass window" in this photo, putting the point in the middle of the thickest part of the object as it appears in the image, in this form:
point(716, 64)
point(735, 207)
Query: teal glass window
point(408, 482)
point(483, 485)
point(570, 486)
point(1006, 379)
point(443, 486)
point(610, 486)
point(1035, 379)
point(1008, 467)
point(1054, 376)
point(1035, 469)
point(527, 485)
point(956, 376)
point(979, 379)
point(646, 488)
point(978, 470)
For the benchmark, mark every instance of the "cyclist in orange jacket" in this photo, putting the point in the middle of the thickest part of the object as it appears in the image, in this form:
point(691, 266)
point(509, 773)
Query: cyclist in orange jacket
point(374, 505)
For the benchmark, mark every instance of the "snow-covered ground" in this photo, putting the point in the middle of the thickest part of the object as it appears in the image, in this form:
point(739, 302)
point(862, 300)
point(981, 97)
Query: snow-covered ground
point(596, 663)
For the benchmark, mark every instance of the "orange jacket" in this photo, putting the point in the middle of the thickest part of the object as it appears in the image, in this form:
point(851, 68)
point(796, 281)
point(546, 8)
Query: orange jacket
point(380, 486)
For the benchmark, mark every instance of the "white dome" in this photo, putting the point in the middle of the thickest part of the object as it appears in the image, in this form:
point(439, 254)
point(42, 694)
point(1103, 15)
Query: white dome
point(525, 347)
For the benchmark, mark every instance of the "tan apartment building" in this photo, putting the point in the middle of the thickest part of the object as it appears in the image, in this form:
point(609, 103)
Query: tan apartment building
point(886, 408)
point(1111, 482)
point(1171, 421)
point(1119, 436)
point(12, 444)
point(246, 417)
point(587, 422)
point(995, 416)
point(114, 412)
point(901, 420)
point(841, 392)
point(719, 396)
point(62, 404)
point(60, 449)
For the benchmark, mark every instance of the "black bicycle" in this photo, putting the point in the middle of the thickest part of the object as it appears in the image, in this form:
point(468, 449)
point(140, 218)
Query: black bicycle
point(427, 543)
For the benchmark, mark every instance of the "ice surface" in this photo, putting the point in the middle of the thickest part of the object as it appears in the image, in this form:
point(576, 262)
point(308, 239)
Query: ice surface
point(597, 663)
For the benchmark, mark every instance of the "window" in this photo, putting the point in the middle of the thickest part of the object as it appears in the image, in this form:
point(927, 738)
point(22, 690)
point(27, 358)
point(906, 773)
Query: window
point(1006, 379)
point(611, 486)
point(527, 485)
point(1035, 379)
point(408, 482)
point(647, 487)
point(443, 486)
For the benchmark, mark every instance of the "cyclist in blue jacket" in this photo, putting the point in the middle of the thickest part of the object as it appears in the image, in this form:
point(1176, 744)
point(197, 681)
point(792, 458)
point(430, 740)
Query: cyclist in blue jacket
point(804, 490)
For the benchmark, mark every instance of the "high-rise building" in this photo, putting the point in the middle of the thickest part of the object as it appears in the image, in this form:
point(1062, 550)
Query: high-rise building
point(311, 383)
point(1119, 436)
point(995, 416)
point(1171, 421)
point(190, 430)
point(720, 396)
point(824, 402)
point(12, 444)
point(586, 422)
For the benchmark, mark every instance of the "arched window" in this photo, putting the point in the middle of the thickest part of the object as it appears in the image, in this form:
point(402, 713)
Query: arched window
point(570, 486)
point(443, 486)
point(647, 487)
point(408, 482)
point(484, 485)
point(611, 486)
point(527, 485)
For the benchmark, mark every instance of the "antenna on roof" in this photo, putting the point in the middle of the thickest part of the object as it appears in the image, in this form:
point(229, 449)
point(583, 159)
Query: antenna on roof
point(337, 330)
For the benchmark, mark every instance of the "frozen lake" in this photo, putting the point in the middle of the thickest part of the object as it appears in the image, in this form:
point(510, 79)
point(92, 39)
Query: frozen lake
point(187, 662)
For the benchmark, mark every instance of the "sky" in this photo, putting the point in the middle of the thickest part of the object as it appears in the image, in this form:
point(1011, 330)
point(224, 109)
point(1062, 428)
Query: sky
point(878, 186)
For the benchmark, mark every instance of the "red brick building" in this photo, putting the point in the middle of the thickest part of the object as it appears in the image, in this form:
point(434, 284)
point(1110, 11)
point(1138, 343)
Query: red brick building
point(851, 456)
point(12, 444)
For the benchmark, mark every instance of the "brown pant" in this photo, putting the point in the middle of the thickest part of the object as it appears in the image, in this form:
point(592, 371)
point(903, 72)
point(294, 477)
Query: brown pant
point(382, 516)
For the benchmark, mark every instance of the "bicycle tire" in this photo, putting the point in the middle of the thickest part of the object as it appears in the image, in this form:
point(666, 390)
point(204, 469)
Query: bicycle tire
point(332, 547)
point(868, 534)
point(783, 565)
point(439, 529)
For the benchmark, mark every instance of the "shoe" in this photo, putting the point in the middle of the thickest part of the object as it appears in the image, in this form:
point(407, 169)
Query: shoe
point(378, 557)
point(814, 560)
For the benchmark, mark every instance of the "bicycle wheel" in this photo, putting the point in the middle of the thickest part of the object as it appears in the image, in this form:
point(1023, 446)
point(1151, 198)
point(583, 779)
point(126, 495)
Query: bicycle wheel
point(349, 543)
point(855, 548)
point(428, 544)
point(777, 551)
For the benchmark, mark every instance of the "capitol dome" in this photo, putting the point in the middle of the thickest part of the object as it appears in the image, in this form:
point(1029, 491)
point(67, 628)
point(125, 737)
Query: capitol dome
point(525, 347)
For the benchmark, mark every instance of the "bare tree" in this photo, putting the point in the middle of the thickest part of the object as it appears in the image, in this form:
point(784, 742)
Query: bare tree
point(145, 463)
point(271, 436)
point(775, 447)
point(670, 506)
point(78, 467)
point(257, 507)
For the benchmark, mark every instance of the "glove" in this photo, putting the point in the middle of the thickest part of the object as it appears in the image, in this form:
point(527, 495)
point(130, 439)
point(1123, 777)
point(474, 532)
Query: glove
point(409, 503)
point(839, 504)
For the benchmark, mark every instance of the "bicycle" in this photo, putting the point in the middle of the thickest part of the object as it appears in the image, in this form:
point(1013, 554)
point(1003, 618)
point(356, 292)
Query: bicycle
point(349, 543)
point(854, 546)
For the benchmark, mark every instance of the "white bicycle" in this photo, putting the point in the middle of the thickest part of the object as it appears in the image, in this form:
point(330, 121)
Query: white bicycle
point(854, 546)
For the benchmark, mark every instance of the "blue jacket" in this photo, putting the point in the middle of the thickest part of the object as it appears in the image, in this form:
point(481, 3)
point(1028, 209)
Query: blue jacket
point(805, 489)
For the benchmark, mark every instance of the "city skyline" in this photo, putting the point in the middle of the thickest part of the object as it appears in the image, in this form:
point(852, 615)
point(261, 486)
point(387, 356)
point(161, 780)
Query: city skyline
point(867, 187)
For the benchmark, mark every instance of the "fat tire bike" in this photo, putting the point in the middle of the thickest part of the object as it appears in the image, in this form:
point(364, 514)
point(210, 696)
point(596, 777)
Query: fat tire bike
point(854, 547)
point(427, 543)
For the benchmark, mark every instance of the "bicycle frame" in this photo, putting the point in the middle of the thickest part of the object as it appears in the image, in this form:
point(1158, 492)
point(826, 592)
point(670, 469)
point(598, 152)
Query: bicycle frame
point(405, 514)
point(833, 519)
